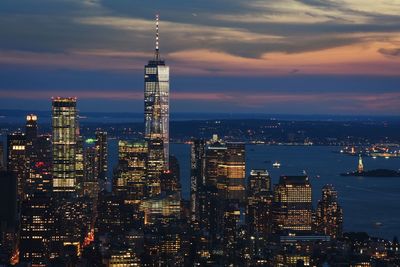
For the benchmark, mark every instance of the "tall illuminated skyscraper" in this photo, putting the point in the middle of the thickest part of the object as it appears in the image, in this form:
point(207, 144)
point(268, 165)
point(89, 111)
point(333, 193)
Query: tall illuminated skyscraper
point(64, 123)
point(156, 109)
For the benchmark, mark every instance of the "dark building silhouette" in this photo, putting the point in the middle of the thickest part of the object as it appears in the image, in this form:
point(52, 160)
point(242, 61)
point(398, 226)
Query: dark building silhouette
point(17, 161)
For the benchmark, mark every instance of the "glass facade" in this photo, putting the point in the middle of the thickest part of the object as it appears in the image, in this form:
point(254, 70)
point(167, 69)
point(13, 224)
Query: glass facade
point(156, 106)
point(64, 123)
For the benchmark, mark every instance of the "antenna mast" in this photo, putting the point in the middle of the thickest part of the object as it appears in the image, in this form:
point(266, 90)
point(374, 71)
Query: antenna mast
point(157, 52)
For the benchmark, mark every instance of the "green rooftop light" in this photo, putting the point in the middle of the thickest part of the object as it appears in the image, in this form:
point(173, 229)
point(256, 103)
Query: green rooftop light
point(90, 141)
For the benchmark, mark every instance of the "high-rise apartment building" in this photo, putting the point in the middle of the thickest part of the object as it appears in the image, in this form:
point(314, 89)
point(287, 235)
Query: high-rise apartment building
point(329, 213)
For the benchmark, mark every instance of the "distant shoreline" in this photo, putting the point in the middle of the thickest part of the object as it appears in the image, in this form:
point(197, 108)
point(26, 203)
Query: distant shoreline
point(373, 173)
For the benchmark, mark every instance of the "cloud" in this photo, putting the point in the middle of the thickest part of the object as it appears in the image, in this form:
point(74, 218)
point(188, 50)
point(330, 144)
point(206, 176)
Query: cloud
point(267, 48)
point(242, 28)
point(390, 51)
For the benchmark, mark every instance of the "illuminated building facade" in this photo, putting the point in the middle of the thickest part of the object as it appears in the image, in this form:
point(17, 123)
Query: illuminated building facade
point(259, 203)
point(197, 169)
point(72, 221)
point(232, 173)
point(36, 226)
point(31, 134)
point(40, 171)
point(130, 177)
point(154, 166)
point(170, 180)
point(64, 123)
point(293, 205)
point(16, 160)
point(156, 106)
point(79, 165)
point(162, 209)
point(329, 213)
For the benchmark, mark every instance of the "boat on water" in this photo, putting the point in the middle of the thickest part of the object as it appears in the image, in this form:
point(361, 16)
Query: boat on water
point(276, 164)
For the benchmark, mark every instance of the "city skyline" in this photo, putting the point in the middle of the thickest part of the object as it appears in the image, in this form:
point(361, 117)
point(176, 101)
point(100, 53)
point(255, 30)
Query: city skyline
point(304, 57)
point(208, 192)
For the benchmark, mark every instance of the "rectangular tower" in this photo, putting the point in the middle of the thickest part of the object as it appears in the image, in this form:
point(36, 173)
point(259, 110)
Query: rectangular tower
point(64, 123)
point(293, 204)
point(102, 155)
point(16, 160)
point(156, 104)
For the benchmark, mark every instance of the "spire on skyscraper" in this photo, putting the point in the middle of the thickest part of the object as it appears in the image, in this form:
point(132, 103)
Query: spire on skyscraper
point(157, 52)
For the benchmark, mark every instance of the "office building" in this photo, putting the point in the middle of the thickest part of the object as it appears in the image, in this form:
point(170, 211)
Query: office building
point(102, 157)
point(259, 204)
point(16, 160)
point(36, 228)
point(130, 177)
point(197, 171)
point(292, 204)
point(64, 140)
point(156, 105)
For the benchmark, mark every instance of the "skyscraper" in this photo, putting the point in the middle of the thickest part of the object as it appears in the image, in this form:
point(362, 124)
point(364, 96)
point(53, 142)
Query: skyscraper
point(156, 107)
point(101, 154)
point(197, 169)
point(329, 213)
point(31, 128)
point(16, 159)
point(64, 116)
point(39, 179)
point(259, 203)
point(293, 206)
point(231, 173)
point(130, 174)
point(31, 133)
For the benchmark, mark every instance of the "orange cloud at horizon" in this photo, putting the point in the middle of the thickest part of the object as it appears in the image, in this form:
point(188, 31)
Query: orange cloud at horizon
point(365, 58)
point(357, 59)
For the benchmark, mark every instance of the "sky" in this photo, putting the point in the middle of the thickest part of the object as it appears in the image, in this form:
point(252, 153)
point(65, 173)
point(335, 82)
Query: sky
point(235, 56)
